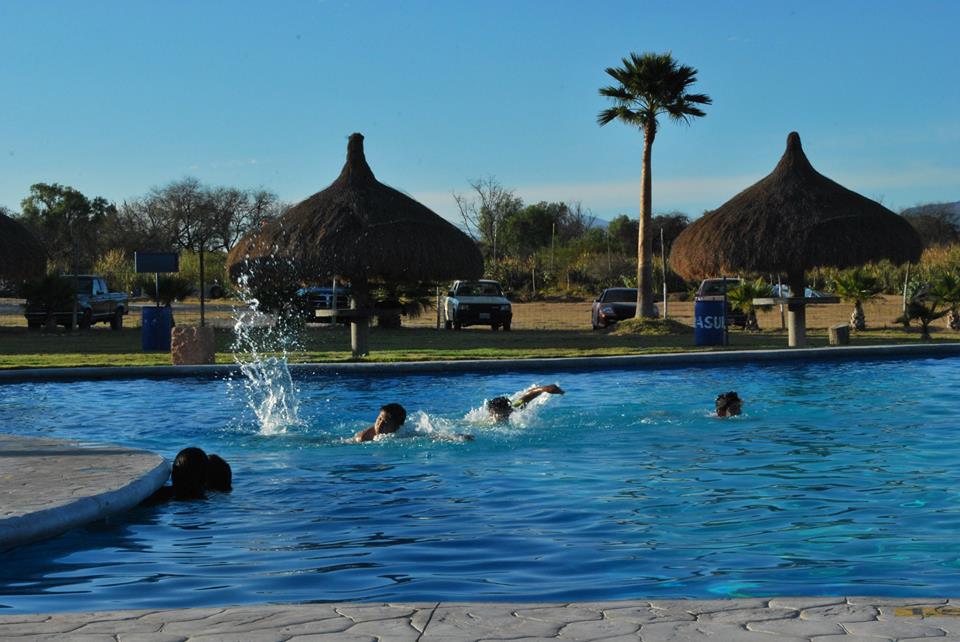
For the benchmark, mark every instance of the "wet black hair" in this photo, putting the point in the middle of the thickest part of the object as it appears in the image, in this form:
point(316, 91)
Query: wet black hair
point(396, 412)
point(500, 407)
point(189, 473)
point(727, 399)
point(219, 475)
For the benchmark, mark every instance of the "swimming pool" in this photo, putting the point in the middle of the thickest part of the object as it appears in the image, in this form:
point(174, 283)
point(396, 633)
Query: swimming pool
point(841, 478)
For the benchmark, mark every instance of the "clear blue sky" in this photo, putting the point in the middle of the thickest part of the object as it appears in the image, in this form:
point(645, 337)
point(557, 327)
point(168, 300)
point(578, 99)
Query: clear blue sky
point(114, 98)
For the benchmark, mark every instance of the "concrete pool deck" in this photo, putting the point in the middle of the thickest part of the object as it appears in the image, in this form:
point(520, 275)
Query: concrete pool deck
point(50, 486)
point(751, 620)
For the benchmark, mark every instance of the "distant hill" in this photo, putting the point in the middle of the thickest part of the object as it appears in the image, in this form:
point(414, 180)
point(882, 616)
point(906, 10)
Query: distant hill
point(951, 209)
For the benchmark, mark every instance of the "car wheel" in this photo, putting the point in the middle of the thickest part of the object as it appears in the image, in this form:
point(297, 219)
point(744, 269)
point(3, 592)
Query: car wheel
point(457, 325)
point(506, 327)
point(448, 324)
point(86, 319)
point(494, 327)
point(116, 323)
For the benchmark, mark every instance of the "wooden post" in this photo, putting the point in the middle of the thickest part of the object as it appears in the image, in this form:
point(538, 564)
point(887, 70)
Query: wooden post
point(796, 312)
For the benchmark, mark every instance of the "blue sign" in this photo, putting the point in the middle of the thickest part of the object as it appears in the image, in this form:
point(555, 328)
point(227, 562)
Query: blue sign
point(709, 322)
point(156, 262)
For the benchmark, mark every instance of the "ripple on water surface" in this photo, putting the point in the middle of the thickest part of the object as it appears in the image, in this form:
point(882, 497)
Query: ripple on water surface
point(838, 479)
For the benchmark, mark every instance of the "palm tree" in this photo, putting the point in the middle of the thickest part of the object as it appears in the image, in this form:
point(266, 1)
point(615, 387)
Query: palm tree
point(857, 287)
point(946, 288)
point(742, 296)
point(649, 85)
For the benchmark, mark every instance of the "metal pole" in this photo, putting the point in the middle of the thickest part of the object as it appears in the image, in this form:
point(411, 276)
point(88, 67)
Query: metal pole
point(333, 304)
point(906, 280)
point(203, 297)
point(74, 323)
point(663, 259)
point(726, 337)
point(783, 322)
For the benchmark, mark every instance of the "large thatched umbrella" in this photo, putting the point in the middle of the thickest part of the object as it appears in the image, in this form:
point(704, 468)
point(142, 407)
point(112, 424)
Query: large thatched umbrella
point(361, 230)
point(791, 221)
point(22, 256)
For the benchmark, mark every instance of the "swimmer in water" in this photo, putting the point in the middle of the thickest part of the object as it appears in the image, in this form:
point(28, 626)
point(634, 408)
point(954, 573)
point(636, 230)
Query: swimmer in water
point(500, 408)
point(389, 420)
point(729, 404)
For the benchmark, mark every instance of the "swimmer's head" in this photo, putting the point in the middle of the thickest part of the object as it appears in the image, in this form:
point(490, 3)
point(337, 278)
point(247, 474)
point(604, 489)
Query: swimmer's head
point(728, 404)
point(499, 408)
point(219, 475)
point(189, 474)
point(390, 419)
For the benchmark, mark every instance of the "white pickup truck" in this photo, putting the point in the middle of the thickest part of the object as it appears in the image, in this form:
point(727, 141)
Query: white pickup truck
point(476, 303)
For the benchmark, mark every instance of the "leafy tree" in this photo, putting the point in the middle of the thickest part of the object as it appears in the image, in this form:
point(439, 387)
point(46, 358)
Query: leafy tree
point(671, 224)
point(485, 211)
point(857, 286)
point(623, 232)
point(650, 85)
point(66, 221)
point(935, 228)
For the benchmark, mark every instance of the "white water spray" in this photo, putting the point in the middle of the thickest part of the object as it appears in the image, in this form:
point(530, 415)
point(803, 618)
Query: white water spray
point(260, 348)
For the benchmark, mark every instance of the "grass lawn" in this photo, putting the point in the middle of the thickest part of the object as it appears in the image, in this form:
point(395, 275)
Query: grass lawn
point(20, 347)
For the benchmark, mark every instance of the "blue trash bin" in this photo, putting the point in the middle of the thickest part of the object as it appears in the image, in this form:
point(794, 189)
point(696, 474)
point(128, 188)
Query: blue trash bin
point(709, 322)
point(157, 323)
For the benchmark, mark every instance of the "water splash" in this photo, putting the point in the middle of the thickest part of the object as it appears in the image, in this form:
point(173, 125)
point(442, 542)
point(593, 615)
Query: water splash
point(261, 347)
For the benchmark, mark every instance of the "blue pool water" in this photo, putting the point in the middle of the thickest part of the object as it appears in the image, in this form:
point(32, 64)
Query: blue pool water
point(841, 478)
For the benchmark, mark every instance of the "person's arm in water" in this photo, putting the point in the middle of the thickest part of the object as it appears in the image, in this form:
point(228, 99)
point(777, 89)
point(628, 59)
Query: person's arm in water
point(533, 393)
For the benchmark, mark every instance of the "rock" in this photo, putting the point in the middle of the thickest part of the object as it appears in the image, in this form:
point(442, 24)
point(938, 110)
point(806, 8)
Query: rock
point(192, 345)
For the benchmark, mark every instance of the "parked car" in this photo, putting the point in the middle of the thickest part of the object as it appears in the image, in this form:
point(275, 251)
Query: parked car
point(615, 304)
point(713, 289)
point(476, 303)
point(321, 298)
point(807, 292)
point(95, 304)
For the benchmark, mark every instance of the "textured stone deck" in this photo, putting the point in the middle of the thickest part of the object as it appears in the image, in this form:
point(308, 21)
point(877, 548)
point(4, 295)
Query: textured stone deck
point(48, 486)
point(781, 619)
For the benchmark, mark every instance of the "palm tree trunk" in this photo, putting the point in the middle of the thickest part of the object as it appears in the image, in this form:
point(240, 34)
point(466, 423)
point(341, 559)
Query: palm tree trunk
point(644, 235)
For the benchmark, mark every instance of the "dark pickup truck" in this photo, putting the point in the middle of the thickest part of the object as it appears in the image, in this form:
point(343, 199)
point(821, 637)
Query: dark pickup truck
point(95, 303)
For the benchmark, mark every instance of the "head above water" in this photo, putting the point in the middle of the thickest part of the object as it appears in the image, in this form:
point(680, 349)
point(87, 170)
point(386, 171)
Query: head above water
point(729, 404)
point(500, 408)
point(189, 473)
point(390, 419)
point(219, 474)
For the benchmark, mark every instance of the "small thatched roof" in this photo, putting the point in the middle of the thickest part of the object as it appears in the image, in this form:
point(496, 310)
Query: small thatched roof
point(359, 228)
point(792, 220)
point(22, 255)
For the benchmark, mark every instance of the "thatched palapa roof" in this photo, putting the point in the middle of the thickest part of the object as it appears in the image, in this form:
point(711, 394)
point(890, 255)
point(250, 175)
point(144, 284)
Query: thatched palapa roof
point(792, 220)
point(22, 255)
point(361, 229)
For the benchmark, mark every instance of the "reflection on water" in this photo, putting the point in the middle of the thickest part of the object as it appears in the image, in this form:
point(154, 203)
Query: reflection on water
point(626, 487)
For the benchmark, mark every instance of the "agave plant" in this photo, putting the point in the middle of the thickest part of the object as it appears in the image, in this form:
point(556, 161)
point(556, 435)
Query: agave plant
point(742, 296)
point(857, 286)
